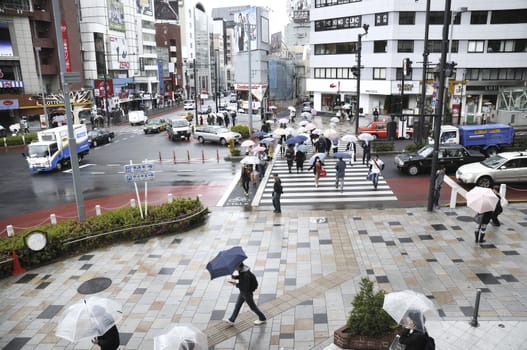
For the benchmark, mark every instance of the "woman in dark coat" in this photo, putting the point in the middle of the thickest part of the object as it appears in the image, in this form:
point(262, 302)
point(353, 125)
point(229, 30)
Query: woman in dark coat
point(414, 335)
point(300, 158)
point(109, 340)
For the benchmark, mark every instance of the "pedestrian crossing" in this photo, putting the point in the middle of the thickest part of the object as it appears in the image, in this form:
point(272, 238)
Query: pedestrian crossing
point(299, 188)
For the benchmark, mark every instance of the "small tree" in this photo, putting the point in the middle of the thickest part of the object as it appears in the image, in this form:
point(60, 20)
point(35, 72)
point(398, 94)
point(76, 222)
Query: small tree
point(368, 317)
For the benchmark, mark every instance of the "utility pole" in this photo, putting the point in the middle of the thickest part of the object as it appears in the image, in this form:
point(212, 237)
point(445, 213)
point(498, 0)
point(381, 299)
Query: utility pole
point(196, 99)
point(217, 96)
point(359, 49)
point(426, 52)
point(439, 113)
point(250, 101)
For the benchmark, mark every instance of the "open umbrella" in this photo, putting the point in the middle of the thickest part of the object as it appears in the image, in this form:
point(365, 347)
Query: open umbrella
point(226, 262)
point(279, 132)
point(317, 132)
point(247, 143)
point(409, 305)
point(303, 148)
point(291, 108)
point(259, 134)
point(366, 137)
point(250, 160)
point(89, 318)
point(321, 156)
point(283, 120)
point(272, 107)
point(301, 138)
point(334, 120)
point(303, 122)
point(346, 106)
point(258, 149)
point(290, 131)
point(349, 138)
point(181, 337)
point(267, 141)
point(331, 133)
point(341, 155)
point(481, 199)
point(306, 115)
point(292, 141)
point(310, 126)
point(301, 130)
point(270, 121)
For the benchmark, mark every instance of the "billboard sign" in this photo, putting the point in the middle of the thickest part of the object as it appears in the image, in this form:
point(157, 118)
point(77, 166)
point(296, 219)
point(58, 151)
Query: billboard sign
point(246, 29)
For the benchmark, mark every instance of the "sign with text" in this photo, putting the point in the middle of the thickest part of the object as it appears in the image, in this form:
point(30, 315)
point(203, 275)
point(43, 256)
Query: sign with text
point(139, 172)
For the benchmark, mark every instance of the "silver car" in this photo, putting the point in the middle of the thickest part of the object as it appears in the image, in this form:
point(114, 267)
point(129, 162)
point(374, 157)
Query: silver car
point(215, 133)
point(507, 167)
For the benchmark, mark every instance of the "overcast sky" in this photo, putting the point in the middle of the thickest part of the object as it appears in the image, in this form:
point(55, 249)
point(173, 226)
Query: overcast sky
point(277, 10)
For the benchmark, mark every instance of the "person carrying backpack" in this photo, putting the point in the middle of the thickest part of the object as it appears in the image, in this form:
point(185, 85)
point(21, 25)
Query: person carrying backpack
point(246, 282)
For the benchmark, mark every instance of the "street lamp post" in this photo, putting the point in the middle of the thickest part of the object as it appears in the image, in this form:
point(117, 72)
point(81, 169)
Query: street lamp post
point(426, 52)
point(216, 58)
point(439, 113)
point(359, 49)
point(250, 100)
point(37, 50)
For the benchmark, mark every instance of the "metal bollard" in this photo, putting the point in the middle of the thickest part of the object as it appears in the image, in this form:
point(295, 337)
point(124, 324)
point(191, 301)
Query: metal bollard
point(132, 203)
point(453, 198)
point(170, 198)
point(53, 219)
point(98, 210)
point(10, 231)
point(474, 321)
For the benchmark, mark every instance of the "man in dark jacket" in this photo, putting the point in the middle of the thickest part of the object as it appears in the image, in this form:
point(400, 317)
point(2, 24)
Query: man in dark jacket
point(242, 281)
point(277, 192)
point(109, 340)
point(340, 173)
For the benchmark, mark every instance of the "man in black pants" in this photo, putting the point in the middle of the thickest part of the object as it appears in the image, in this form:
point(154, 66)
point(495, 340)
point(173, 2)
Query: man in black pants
point(277, 192)
point(242, 281)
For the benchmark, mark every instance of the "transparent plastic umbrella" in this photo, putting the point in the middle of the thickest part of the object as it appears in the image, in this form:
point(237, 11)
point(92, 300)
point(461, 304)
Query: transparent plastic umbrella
point(181, 337)
point(409, 306)
point(89, 318)
point(349, 138)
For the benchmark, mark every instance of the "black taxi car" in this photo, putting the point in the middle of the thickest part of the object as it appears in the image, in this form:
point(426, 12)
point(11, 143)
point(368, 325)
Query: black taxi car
point(452, 156)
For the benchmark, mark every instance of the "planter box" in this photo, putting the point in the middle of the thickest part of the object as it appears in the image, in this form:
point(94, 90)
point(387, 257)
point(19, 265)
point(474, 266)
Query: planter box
point(346, 340)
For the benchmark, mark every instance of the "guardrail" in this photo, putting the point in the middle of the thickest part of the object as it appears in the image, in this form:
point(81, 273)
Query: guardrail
point(456, 190)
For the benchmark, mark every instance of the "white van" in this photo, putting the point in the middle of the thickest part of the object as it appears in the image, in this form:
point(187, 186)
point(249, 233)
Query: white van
point(136, 117)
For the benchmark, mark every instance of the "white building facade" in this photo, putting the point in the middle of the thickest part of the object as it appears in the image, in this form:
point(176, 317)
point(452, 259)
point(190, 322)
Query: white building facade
point(488, 43)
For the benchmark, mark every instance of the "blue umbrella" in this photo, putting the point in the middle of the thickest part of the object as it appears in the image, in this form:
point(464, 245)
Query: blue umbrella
point(292, 141)
point(226, 262)
point(301, 138)
point(259, 134)
point(266, 142)
point(303, 148)
point(321, 156)
point(341, 155)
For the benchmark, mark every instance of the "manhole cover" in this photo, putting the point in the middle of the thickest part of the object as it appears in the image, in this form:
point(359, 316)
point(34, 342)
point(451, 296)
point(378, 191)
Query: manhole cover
point(465, 218)
point(95, 285)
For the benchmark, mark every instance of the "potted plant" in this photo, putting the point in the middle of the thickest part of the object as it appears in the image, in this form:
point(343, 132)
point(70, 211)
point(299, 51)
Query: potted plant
point(368, 326)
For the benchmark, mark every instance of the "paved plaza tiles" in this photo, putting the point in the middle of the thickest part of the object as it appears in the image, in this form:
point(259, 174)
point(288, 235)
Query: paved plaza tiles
point(309, 264)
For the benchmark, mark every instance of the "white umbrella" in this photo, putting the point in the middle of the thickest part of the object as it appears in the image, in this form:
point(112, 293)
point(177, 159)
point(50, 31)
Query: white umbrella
point(181, 337)
point(247, 143)
point(283, 120)
point(334, 120)
point(346, 106)
point(349, 138)
point(289, 131)
point(481, 199)
point(366, 137)
point(301, 130)
point(231, 108)
point(89, 318)
point(272, 107)
point(303, 122)
point(331, 133)
point(250, 160)
point(317, 132)
point(306, 115)
point(310, 126)
point(279, 132)
point(291, 108)
point(258, 149)
point(321, 156)
point(269, 121)
point(409, 305)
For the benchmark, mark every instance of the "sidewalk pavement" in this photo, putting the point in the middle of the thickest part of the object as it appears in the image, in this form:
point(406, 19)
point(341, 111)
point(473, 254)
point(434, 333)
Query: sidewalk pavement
point(309, 263)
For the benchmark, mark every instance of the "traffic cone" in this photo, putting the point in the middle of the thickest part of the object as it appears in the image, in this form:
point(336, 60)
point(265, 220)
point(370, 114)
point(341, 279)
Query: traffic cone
point(17, 268)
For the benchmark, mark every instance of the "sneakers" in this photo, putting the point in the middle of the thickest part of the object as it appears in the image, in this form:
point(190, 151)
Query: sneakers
point(259, 322)
point(229, 322)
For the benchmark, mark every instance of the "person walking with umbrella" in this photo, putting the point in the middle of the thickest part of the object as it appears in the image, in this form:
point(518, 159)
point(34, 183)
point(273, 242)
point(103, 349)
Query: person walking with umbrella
point(366, 152)
point(244, 281)
point(277, 193)
point(109, 340)
point(290, 157)
point(340, 168)
point(246, 179)
point(483, 201)
point(413, 337)
point(317, 167)
point(300, 158)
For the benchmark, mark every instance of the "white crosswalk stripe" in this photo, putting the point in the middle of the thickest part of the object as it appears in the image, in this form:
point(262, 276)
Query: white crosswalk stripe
point(299, 188)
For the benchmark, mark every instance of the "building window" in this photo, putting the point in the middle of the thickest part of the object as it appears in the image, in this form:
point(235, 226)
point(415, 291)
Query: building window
point(508, 16)
point(379, 46)
point(478, 17)
point(436, 17)
point(475, 45)
point(333, 73)
point(405, 46)
point(381, 19)
point(406, 18)
point(379, 73)
point(336, 48)
point(434, 46)
point(472, 74)
point(518, 45)
point(325, 3)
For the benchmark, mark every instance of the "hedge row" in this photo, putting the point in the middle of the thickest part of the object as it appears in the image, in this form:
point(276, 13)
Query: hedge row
point(71, 237)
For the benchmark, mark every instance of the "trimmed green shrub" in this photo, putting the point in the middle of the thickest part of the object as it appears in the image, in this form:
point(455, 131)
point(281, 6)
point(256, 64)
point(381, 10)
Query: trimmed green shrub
point(71, 237)
point(368, 317)
point(243, 130)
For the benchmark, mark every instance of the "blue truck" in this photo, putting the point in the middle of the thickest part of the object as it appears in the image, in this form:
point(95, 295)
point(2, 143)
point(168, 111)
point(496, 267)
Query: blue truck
point(487, 138)
point(52, 150)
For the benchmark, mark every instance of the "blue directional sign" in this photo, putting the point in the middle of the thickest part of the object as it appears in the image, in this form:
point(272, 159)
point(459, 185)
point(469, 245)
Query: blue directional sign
point(136, 177)
point(138, 168)
point(139, 172)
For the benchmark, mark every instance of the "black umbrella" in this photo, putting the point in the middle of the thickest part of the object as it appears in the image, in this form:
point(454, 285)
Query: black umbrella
point(226, 262)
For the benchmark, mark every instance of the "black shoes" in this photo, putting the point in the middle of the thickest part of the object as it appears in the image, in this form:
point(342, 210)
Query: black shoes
point(496, 223)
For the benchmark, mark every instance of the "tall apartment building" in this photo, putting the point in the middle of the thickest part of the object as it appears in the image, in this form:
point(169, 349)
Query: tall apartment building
point(488, 43)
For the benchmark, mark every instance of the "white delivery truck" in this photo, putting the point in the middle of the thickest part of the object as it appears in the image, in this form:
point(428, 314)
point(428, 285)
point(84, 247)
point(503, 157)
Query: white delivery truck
point(52, 150)
point(136, 117)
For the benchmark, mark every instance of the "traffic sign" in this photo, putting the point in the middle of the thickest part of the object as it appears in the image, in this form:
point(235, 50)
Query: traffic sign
point(135, 177)
point(138, 168)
